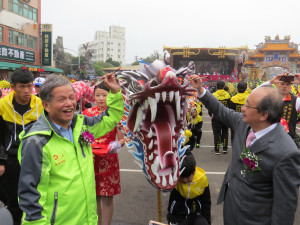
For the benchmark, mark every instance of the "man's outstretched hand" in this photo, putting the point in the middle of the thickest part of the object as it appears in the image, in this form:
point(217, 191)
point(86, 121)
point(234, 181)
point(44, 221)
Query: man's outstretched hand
point(110, 82)
point(196, 82)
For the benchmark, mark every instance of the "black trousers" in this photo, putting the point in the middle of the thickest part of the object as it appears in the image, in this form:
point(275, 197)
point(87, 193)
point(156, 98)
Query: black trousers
point(190, 220)
point(12, 173)
point(3, 195)
point(220, 134)
point(197, 131)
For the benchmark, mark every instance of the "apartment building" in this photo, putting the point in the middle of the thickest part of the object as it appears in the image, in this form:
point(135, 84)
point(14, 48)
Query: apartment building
point(107, 45)
point(20, 36)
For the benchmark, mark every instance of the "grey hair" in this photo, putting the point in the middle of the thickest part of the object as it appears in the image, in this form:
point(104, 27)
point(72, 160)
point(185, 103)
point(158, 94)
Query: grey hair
point(272, 104)
point(52, 82)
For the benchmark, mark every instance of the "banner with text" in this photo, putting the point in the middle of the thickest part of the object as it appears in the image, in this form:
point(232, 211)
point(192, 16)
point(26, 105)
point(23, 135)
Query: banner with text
point(46, 44)
point(7, 52)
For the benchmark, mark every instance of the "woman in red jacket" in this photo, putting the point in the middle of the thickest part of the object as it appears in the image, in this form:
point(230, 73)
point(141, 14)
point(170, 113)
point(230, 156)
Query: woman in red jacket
point(106, 166)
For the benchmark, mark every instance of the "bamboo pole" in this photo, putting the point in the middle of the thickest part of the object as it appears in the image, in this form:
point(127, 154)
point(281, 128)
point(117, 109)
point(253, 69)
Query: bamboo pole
point(159, 211)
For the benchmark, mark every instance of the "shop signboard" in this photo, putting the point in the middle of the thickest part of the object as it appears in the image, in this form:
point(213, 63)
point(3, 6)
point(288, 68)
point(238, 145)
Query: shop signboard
point(46, 44)
point(12, 53)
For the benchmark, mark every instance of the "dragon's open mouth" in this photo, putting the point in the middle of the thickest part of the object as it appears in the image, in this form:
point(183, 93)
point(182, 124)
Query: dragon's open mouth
point(158, 113)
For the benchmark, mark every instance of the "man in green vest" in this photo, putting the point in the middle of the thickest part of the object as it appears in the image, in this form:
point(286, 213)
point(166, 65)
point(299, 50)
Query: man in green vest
point(57, 183)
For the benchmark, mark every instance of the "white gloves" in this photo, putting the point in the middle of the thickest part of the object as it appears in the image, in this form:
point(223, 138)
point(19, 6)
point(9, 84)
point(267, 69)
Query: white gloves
point(114, 147)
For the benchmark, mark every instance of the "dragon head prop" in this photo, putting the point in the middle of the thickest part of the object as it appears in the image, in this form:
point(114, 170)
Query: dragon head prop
point(156, 112)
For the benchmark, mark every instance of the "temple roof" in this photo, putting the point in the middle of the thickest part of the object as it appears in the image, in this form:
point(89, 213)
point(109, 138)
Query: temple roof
point(250, 62)
point(277, 47)
point(257, 55)
point(294, 55)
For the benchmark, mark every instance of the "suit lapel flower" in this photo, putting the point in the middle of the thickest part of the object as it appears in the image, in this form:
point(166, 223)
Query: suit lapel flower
point(250, 162)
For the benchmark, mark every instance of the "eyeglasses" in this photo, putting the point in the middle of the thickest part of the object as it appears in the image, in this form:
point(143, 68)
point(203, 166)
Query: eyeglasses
point(250, 107)
point(37, 86)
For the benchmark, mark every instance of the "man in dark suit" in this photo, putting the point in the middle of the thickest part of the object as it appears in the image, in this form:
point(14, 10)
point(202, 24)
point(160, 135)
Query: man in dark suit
point(268, 196)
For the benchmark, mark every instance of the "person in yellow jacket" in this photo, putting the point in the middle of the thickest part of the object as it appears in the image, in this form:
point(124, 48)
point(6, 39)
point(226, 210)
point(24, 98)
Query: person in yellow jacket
point(18, 110)
point(220, 130)
point(237, 101)
point(189, 139)
point(195, 126)
point(190, 201)
point(194, 105)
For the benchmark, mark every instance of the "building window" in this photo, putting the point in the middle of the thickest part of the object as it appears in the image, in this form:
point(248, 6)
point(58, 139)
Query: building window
point(22, 9)
point(23, 40)
point(1, 34)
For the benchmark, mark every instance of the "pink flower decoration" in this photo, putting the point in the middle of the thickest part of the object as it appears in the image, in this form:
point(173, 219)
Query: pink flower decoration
point(88, 137)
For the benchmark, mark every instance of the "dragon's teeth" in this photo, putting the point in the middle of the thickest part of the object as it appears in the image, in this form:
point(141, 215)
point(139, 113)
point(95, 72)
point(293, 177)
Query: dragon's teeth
point(164, 181)
point(178, 109)
point(151, 144)
point(157, 96)
point(171, 179)
point(146, 104)
point(177, 96)
point(175, 173)
point(150, 133)
point(174, 143)
point(138, 120)
point(151, 157)
point(173, 131)
point(164, 96)
point(171, 96)
point(153, 108)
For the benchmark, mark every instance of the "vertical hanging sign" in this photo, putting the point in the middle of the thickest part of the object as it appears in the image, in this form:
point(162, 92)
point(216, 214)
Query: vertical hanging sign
point(46, 44)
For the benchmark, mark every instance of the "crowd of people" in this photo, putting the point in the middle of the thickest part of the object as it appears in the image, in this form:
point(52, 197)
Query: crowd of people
point(50, 154)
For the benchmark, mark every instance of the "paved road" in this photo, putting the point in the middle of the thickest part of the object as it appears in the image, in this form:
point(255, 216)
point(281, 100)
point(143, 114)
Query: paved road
point(137, 204)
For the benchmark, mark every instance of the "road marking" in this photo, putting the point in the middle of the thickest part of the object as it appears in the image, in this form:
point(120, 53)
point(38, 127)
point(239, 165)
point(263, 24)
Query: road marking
point(141, 171)
point(211, 146)
point(130, 170)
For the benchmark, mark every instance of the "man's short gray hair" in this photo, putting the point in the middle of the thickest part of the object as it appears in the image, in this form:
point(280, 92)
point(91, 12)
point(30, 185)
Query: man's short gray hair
point(52, 82)
point(272, 104)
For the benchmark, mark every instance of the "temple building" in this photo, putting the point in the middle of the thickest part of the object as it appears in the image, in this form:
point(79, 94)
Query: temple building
point(271, 58)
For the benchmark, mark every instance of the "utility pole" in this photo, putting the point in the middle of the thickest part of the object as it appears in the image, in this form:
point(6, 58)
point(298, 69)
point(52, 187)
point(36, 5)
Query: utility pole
point(136, 58)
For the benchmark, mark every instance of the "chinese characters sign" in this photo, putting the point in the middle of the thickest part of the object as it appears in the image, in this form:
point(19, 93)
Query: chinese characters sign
point(12, 53)
point(277, 57)
point(46, 44)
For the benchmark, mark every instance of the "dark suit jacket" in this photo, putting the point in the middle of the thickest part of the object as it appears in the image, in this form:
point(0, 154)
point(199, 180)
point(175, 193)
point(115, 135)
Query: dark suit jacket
point(266, 197)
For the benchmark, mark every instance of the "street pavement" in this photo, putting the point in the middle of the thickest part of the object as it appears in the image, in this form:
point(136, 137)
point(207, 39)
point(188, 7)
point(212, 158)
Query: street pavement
point(137, 204)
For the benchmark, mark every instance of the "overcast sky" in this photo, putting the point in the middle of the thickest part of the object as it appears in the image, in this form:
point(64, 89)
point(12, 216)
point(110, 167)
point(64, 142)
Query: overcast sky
point(176, 23)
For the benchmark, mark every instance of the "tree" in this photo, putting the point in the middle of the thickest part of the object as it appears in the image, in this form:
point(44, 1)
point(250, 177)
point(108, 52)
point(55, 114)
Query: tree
point(135, 63)
point(99, 65)
point(114, 63)
point(149, 59)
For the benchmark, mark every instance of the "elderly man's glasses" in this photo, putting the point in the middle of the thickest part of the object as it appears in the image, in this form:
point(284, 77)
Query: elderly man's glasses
point(250, 107)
